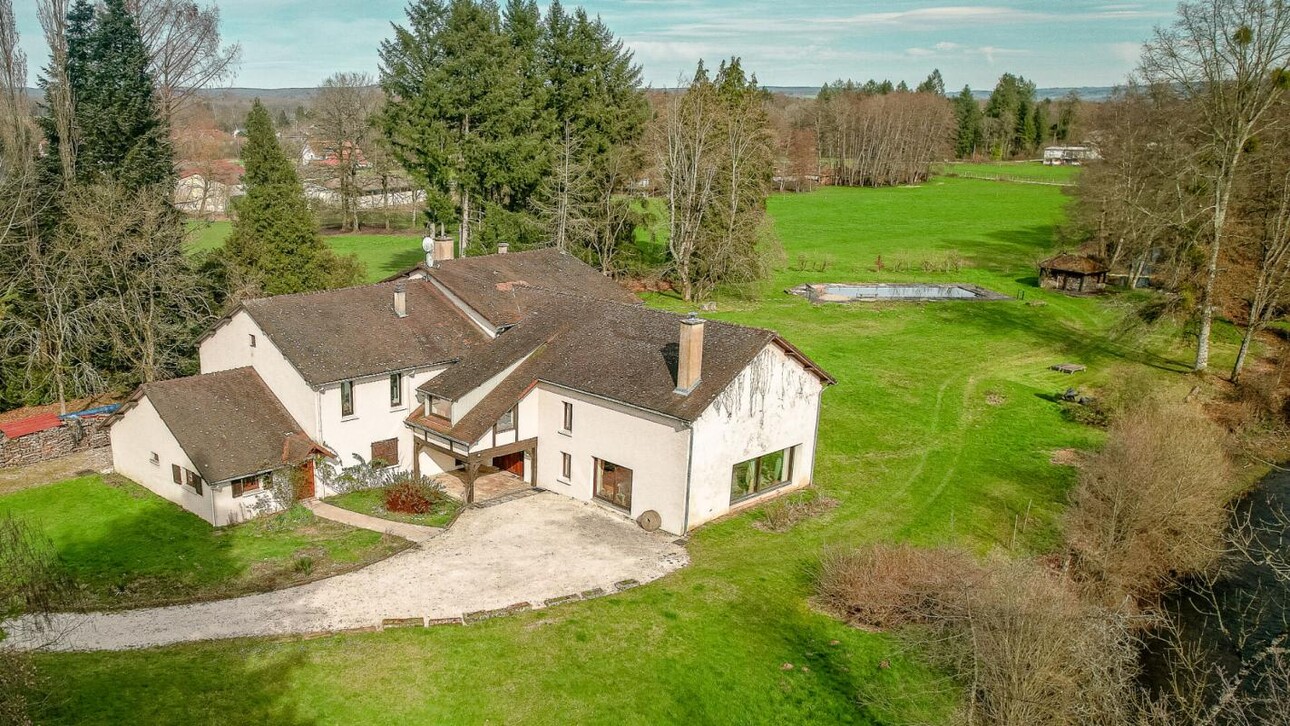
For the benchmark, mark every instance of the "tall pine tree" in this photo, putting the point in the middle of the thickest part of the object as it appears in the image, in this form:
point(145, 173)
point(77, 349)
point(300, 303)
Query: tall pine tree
point(968, 115)
point(119, 134)
point(275, 244)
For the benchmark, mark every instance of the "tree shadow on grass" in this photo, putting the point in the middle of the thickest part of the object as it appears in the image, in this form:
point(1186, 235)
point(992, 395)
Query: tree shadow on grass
point(208, 683)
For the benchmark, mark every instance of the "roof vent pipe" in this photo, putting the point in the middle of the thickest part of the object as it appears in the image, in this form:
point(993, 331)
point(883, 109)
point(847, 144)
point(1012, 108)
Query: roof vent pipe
point(689, 360)
point(400, 300)
point(503, 248)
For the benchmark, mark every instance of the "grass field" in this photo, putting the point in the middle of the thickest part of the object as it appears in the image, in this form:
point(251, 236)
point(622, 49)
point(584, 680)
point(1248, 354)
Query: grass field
point(940, 430)
point(1018, 170)
point(126, 547)
point(372, 501)
point(382, 255)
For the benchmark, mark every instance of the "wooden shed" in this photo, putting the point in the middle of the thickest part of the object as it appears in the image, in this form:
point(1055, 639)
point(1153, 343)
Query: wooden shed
point(1073, 273)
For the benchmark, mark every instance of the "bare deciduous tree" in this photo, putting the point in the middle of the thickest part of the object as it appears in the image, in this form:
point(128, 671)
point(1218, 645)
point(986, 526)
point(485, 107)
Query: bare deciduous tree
point(184, 44)
point(1228, 58)
point(343, 110)
point(62, 110)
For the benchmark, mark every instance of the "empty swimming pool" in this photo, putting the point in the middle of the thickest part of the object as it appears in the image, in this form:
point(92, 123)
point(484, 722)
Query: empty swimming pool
point(879, 291)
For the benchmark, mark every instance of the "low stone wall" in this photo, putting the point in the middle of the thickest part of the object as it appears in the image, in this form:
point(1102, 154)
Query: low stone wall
point(53, 443)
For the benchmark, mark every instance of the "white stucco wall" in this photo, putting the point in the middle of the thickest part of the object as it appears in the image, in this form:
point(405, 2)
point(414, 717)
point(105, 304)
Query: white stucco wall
point(471, 399)
point(138, 433)
point(231, 510)
point(773, 404)
point(230, 347)
point(373, 420)
point(654, 447)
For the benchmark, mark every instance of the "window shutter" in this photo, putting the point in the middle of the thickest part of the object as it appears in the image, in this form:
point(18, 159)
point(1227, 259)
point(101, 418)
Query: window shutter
point(175, 474)
point(386, 451)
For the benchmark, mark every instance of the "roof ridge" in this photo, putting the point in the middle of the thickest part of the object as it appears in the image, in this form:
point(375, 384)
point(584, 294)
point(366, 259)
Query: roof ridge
point(305, 293)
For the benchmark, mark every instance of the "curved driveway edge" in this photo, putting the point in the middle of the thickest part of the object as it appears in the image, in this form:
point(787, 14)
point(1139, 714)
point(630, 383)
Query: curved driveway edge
point(536, 549)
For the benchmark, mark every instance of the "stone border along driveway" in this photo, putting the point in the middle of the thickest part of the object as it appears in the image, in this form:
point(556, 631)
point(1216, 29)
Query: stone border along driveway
point(527, 553)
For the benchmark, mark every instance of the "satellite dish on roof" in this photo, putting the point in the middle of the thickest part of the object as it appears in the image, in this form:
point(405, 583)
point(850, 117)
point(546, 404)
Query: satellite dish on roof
point(649, 520)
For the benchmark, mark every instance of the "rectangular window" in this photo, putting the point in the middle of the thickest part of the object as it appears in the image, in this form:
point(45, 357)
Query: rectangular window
point(154, 459)
point(176, 474)
point(568, 416)
point(566, 466)
point(252, 336)
point(506, 422)
point(194, 481)
point(246, 485)
point(347, 398)
point(766, 472)
point(441, 407)
point(614, 484)
point(396, 390)
point(385, 453)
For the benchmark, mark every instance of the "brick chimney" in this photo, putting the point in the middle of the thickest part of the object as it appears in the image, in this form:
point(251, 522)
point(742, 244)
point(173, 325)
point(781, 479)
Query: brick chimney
point(400, 299)
point(689, 360)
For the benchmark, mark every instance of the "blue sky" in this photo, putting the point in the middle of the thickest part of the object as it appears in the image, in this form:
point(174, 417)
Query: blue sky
point(1055, 43)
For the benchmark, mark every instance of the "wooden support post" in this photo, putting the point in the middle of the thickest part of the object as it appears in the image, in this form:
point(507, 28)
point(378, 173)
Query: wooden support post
point(416, 456)
point(472, 471)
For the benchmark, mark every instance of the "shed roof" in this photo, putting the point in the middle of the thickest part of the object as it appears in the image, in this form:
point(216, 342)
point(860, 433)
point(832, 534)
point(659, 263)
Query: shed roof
point(228, 423)
point(1069, 262)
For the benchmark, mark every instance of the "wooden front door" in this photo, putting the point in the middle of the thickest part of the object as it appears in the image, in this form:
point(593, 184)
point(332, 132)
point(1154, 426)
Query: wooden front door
point(514, 463)
point(305, 488)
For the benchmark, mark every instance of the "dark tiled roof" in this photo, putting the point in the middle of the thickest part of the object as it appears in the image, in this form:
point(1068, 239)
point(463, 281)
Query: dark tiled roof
point(340, 334)
point(626, 353)
point(1067, 262)
point(489, 284)
point(229, 423)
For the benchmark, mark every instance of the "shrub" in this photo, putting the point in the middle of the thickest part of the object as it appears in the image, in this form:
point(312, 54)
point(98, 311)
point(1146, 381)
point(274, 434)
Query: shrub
point(1151, 505)
point(303, 565)
point(884, 586)
point(785, 512)
point(413, 495)
point(1020, 645)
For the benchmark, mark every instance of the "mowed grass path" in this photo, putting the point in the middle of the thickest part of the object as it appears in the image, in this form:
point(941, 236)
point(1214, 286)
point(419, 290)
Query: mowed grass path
point(940, 430)
point(382, 255)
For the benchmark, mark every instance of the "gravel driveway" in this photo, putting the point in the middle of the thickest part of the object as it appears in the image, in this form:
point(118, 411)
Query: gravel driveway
point(528, 550)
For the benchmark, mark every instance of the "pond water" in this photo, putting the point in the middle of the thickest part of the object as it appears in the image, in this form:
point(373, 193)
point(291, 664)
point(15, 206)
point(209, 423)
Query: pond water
point(901, 292)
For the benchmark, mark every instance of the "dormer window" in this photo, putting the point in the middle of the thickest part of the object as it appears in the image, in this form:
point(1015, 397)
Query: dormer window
point(441, 407)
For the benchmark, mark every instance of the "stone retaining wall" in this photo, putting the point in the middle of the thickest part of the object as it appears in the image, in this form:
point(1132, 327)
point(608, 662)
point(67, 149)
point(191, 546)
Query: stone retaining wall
point(53, 443)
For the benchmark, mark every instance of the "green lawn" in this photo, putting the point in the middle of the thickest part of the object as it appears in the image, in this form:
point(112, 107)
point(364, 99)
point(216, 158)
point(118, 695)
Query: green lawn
point(940, 430)
point(1020, 170)
point(381, 254)
point(372, 501)
point(126, 547)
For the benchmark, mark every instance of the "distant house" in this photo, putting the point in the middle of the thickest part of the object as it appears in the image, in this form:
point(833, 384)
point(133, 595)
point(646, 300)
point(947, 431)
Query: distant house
point(326, 153)
point(1073, 273)
point(528, 365)
point(208, 189)
point(1069, 155)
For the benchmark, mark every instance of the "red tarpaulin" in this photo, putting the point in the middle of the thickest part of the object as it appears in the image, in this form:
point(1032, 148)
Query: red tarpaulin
point(22, 427)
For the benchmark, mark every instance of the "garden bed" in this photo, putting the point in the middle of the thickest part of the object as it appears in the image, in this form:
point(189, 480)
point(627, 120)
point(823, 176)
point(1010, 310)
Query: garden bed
point(372, 502)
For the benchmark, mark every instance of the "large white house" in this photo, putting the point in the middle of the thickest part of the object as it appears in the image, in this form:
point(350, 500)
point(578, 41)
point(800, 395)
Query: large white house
point(529, 362)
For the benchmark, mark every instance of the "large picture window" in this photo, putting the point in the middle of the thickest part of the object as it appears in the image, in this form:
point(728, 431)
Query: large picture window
point(758, 475)
point(614, 484)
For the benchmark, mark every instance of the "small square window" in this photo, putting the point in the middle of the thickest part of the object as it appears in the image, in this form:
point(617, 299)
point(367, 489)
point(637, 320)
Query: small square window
point(252, 336)
point(154, 459)
point(566, 466)
point(568, 416)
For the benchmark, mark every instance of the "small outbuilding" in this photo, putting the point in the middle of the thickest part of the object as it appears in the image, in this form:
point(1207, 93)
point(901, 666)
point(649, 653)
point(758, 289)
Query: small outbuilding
point(1073, 273)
